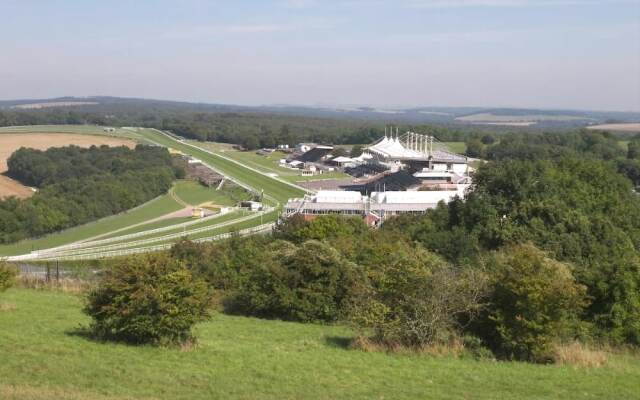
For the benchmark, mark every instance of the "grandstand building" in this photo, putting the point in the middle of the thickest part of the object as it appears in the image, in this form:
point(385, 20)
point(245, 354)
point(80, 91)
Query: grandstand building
point(417, 152)
point(406, 174)
point(374, 208)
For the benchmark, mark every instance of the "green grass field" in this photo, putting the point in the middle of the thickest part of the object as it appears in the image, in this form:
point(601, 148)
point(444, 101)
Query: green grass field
point(273, 187)
point(456, 147)
point(200, 224)
point(44, 357)
point(151, 225)
point(194, 194)
point(153, 209)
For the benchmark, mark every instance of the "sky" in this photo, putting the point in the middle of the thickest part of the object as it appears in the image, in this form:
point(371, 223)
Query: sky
point(571, 54)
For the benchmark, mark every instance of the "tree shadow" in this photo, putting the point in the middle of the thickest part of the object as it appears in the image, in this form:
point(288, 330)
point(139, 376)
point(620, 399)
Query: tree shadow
point(86, 333)
point(338, 342)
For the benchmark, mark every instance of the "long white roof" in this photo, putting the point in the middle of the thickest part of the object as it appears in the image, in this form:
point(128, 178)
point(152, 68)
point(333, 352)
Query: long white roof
point(417, 197)
point(337, 196)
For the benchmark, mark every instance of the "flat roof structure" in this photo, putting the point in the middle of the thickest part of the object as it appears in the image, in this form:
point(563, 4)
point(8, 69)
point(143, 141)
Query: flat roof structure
point(379, 204)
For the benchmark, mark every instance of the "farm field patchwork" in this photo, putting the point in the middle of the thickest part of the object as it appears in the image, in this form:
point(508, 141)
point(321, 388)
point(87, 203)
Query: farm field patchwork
point(127, 133)
point(516, 120)
point(238, 357)
point(626, 127)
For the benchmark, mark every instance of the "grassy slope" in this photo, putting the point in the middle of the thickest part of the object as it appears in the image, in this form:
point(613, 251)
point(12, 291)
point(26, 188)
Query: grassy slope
point(155, 208)
point(278, 190)
point(267, 164)
point(201, 224)
point(151, 225)
point(195, 194)
point(456, 147)
point(245, 358)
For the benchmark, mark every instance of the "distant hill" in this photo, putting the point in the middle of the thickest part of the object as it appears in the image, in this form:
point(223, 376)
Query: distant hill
point(457, 116)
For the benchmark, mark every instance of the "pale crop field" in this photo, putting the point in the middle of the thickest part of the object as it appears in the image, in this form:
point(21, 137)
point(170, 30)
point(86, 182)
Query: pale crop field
point(629, 127)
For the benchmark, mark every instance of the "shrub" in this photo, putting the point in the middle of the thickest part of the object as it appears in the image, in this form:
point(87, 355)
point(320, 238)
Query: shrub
point(326, 228)
point(7, 276)
point(307, 283)
point(534, 301)
point(418, 301)
point(578, 354)
point(147, 299)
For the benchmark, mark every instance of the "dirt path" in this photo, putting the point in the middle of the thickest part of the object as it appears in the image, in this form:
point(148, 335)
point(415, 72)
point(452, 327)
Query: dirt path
point(9, 187)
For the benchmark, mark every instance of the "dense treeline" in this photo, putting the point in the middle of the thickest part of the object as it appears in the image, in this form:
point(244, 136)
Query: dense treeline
point(77, 185)
point(555, 145)
point(248, 129)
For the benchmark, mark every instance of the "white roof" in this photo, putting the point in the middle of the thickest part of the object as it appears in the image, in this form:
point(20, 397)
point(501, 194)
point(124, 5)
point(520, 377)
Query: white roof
point(337, 196)
point(342, 159)
point(426, 197)
point(392, 147)
point(295, 162)
point(363, 157)
point(430, 173)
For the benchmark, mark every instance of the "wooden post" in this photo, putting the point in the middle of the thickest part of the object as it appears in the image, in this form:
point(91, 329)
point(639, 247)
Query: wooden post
point(57, 270)
point(48, 273)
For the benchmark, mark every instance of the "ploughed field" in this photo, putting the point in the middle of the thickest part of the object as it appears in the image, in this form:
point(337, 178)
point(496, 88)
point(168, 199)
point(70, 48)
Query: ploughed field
point(10, 142)
point(45, 355)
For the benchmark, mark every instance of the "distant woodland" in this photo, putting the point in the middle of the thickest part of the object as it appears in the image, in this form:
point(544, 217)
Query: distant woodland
point(249, 129)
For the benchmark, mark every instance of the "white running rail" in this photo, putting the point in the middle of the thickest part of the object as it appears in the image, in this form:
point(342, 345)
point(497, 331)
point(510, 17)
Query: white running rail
point(117, 253)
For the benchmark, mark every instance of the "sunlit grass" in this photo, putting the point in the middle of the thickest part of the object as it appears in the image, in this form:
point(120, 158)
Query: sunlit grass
point(43, 357)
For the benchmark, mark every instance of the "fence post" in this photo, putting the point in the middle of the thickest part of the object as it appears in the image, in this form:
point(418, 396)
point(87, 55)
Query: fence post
point(57, 270)
point(48, 273)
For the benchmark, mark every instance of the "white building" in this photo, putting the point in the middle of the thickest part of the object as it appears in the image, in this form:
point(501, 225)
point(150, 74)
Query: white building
point(379, 205)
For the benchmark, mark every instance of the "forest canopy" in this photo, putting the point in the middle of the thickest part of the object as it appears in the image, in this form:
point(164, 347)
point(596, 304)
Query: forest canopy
point(77, 185)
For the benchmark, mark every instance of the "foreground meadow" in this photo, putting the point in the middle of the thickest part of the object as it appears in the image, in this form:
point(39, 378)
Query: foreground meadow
point(44, 355)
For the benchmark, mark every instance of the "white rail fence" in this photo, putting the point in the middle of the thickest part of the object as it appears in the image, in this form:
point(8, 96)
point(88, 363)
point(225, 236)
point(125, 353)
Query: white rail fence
point(57, 253)
point(94, 243)
point(165, 246)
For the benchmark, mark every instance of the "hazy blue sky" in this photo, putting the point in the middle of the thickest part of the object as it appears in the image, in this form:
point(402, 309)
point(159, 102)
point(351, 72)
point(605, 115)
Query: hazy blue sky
point(523, 53)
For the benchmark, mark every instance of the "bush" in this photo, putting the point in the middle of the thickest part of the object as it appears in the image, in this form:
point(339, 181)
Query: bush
point(534, 302)
point(419, 301)
point(147, 299)
point(7, 276)
point(307, 283)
